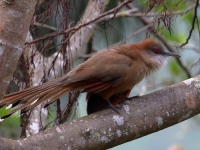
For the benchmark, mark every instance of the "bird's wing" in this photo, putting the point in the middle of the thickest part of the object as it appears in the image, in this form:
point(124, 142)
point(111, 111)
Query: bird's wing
point(102, 71)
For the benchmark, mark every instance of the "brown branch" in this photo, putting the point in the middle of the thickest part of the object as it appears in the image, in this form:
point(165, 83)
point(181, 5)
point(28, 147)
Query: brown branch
point(45, 26)
point(134, 12)
point(74, 29)
point(193, 23)
point(139, 117)
point(128, 13)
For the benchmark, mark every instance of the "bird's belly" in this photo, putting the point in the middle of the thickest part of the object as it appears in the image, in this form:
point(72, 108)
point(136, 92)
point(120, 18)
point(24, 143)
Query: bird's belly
point(121, 88)
point(128, 82)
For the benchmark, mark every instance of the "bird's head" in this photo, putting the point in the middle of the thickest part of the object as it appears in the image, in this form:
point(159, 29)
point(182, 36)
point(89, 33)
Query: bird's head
point(153, 54)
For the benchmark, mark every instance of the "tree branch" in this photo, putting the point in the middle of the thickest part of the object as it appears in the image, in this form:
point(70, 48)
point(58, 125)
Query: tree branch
point(15, 21)
point(139, 117)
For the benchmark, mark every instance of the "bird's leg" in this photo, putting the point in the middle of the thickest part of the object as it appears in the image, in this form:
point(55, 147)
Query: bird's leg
point(115, 108)
point(124, 95)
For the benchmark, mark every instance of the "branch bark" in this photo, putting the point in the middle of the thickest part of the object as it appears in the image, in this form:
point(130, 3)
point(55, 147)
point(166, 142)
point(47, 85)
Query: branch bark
point(14, 25)
point(139, 117)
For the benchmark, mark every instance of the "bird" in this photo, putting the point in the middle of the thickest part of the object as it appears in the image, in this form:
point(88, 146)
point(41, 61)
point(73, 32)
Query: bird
point(107, 77)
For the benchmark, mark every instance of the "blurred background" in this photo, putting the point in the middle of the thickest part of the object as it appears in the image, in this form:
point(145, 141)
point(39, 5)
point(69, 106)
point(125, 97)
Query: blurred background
point(175, 23)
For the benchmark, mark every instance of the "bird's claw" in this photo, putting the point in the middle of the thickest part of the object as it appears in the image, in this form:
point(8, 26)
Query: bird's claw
point(115, 108)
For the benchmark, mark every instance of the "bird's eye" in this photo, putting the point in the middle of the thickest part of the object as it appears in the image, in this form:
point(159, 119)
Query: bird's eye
point(156, 51)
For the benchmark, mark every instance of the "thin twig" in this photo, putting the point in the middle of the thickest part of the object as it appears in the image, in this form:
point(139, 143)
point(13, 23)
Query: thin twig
point(191, 47)
point(193, 23)
point(134, 13)
point(74, 29)
point(128, 13)
point(45, 26)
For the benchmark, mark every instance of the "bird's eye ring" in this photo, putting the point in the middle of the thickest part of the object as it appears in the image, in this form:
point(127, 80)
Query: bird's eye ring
point(156, 51)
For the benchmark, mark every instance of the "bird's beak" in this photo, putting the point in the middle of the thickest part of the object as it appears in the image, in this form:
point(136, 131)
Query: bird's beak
point(171, 54)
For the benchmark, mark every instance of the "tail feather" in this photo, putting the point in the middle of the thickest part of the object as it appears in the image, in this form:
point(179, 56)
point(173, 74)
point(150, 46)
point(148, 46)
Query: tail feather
point(56, 97)
point(53, 97)
point(29, 106)
point(38, 95)
point(23, 97)
point(31, 97)
point(55, 94)
point(29, 92)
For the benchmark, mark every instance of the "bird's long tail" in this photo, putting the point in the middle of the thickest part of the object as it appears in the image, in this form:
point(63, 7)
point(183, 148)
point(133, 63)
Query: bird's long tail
point(31, 97)
point(51, 90)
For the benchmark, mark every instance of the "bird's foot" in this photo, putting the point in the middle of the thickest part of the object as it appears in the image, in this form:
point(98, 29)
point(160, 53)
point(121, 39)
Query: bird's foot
point(115, 108)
